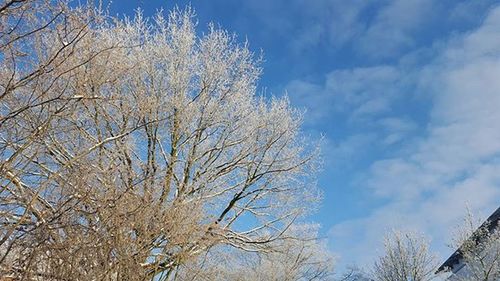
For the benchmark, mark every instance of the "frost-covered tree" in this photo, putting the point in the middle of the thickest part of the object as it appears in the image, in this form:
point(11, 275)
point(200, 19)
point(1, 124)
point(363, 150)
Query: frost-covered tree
point(131, 147)
point(406, 258)
point(296, 256)
point(479, 250)
point(354, 273)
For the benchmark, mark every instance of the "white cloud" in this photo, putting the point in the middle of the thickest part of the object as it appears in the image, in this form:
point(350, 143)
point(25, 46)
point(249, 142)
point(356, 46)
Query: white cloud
point(345, 153)
point(470, 11)
point(360, 92)
point(357, 86)
point(456, 161)
point(397, 129)
point(311, 97)
point(394, 26)
point(338, 23)
point(377, 29)
point(344, 23)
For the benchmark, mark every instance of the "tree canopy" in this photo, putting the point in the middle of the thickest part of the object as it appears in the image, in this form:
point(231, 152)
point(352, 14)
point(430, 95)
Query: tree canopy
point(131, 147)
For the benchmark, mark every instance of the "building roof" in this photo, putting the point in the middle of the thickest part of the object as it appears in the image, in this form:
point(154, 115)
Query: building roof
point(491, 223)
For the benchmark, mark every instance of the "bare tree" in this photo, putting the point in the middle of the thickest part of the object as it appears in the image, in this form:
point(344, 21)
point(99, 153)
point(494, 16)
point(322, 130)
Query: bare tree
point(406, 258)
point(37, 40)
point(41, 47)
point(479, 250)
point(355, 273)
point(131, 147)
point(297, 256)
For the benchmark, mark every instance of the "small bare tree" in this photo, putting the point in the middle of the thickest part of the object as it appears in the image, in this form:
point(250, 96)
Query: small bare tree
point(406, 258)
point(479, 249)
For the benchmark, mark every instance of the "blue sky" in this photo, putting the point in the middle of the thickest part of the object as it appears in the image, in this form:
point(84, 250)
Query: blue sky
point(406, 94)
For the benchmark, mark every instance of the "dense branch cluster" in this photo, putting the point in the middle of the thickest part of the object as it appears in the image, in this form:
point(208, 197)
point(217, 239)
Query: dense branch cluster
point(406, 258)
point(479, 250)
point(132, 148)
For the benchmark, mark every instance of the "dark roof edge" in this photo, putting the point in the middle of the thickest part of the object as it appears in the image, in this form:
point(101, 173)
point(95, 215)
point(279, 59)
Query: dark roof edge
point(492, 223)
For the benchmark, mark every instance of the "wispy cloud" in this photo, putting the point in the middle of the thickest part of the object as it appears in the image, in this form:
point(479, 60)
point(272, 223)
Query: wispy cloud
point(375, 29)
point(396, 129)
point(361, 92)
point(394, 27)
point(455, 161)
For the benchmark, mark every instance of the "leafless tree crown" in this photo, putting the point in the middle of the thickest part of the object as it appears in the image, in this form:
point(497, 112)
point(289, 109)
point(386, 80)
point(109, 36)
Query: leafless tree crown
point(479, 249)
point(131, 147)
point(406, 258)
